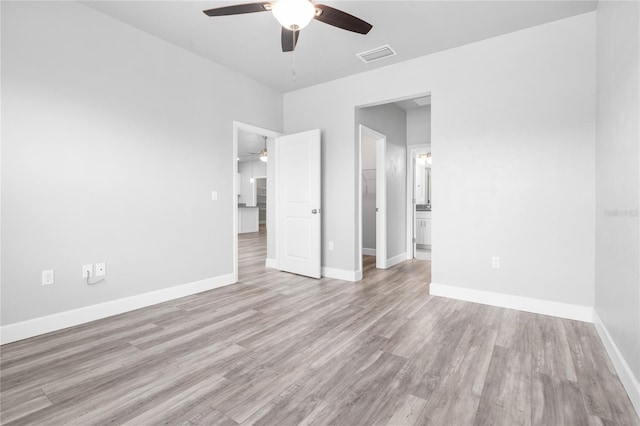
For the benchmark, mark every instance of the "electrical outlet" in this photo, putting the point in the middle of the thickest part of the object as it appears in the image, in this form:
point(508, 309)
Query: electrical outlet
point(214, 197)
point(101, 269)
point(495, 261)
point(47, 277)
point(87, 271)
point(330, 245)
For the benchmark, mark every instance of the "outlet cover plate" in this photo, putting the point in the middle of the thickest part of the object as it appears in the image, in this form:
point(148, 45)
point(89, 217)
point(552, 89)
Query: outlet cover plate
point(47, 277)
point(85, 269)
point(101, 269)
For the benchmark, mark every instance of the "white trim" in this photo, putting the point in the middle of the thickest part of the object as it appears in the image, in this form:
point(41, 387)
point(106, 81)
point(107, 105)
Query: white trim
point(527, 304)
point(396, 259)
point(34, 327)
point(341, 274)
point(368, 251)
point(271, 263)
point(628, 379)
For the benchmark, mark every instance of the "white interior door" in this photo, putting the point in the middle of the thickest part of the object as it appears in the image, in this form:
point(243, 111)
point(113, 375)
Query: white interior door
point(370, 136)
point(298, 185)
point(381, 200)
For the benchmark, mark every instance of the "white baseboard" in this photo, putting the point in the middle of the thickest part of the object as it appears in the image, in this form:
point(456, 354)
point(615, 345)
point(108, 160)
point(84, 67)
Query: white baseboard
point(396, 259)
point(341, 274)
point(34, 327)
point(527, 304)
point(368, 252)
point(628, 379)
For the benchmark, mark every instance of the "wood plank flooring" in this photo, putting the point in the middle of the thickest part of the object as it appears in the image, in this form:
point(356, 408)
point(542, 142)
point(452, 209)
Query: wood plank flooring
point(280, 349)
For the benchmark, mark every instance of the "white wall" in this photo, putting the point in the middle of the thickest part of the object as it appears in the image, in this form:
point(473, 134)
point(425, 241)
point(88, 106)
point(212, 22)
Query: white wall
point(112, 143)
point(391, 121)
point(419, 126)
point(617, 268)
point(513, 132)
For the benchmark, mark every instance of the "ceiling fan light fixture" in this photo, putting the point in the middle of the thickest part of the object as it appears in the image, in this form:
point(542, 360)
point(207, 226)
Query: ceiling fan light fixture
point(293, 15)
point(263, 153)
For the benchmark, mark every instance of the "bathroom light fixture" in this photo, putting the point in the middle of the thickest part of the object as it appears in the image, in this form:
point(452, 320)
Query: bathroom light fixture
point(263, 153)
point(293, 15)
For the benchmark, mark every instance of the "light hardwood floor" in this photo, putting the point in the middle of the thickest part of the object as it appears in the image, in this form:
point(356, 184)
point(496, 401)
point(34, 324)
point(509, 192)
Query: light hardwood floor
point(280, 349)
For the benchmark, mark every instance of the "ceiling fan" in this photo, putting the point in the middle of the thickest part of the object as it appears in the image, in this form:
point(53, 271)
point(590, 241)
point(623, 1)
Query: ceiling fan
point(294, 15)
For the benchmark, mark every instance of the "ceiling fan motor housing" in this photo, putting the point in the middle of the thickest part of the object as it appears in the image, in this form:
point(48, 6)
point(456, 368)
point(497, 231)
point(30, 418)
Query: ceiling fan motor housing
point(294, 15)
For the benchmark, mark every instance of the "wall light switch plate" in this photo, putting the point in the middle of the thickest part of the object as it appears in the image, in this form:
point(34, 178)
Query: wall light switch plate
point(87, 269)
point(330, 245)
point(101, 269)
point(47, 277)
point(495, 261)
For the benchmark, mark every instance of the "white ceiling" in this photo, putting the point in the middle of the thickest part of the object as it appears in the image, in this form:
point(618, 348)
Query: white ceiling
point(250, 43)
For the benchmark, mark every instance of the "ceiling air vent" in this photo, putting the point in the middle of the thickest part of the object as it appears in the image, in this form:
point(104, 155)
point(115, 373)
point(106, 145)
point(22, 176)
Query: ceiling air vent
point(376, 54)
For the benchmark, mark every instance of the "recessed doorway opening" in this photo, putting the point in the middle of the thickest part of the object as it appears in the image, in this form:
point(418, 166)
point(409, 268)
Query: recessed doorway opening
point(254, 159)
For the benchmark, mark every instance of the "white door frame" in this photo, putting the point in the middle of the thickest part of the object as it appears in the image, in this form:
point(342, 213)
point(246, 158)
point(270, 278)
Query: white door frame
point(412, 150)
point(381, 196)
point(237, 125)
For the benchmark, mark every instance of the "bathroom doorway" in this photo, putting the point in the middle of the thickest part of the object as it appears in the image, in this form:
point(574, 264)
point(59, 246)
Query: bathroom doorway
point(420, 171)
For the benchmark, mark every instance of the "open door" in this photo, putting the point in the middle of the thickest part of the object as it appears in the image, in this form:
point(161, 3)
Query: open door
point(372, 138)
point(298, 183)
point(381, 199)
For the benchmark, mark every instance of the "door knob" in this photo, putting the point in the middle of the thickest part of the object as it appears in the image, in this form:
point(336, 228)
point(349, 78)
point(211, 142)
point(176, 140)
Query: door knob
point(314, 211)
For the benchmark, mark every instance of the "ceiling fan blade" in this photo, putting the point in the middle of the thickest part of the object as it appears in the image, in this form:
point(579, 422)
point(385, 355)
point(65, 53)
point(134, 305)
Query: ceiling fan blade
point(239, 9)
point(341, 19)
point(289, 39)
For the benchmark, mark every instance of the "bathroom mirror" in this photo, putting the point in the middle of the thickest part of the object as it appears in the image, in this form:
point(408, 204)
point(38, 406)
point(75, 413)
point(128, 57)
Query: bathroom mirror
point(423, 179)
